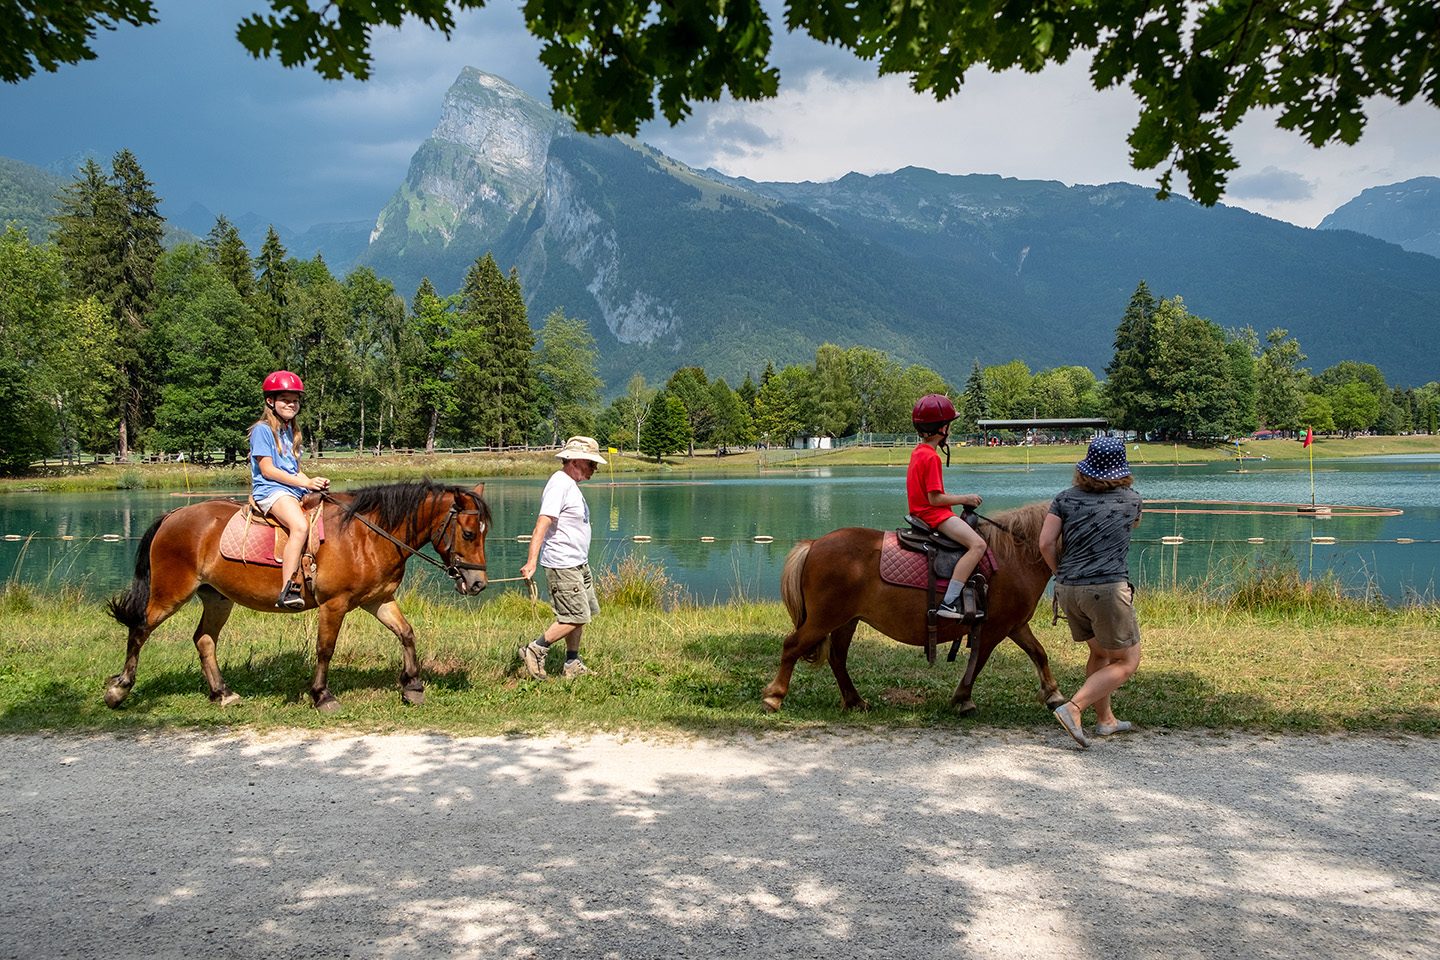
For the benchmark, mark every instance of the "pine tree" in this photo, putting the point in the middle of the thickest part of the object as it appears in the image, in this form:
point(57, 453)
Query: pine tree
point(494, 342)
point(691, 387)
point(974, 403)
point(667, 428)
point(274, 293)
point(109, 233)
point(1129, 387)
point(434, 372)
point(230, 256)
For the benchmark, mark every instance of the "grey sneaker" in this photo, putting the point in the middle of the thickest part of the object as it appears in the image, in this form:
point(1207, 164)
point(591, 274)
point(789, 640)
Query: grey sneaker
point(532, 655)
point(576, 668)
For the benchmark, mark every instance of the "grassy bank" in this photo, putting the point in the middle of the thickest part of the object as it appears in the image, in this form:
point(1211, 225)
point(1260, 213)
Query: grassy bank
point(1273, 656)
point(351, 470)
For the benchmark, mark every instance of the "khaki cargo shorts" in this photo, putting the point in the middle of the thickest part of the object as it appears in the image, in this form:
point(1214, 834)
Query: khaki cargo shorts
point(572, 593)
point(1104, 612)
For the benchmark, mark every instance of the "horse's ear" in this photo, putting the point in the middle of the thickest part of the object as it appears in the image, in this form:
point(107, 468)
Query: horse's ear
point(480, 490)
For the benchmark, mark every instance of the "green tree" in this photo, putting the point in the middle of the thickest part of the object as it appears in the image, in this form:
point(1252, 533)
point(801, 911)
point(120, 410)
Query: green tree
point(1191, 374)
point(1356, 407)
point(108, 233)
point(1007, 387)
point(494, 345)
point(1280, 382)
point(565, 362)
point(230, 256)
point(1427, 407)
point(833, 399)
point(31, 290)
point(691, 387)
point(373, 336)
point(1197, 67)
point(783, 408)
point(433, 371)
point(1317, 414)
point(213, 360)
point(667, 427)
point(974, 404)
point(624, 421)
point(874, 378)
point(1129, 390)
point(275, 287)
point(732, 425)
point(319, 317)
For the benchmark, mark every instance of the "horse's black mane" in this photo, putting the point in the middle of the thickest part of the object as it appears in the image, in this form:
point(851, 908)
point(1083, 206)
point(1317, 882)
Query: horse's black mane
point(395, 503)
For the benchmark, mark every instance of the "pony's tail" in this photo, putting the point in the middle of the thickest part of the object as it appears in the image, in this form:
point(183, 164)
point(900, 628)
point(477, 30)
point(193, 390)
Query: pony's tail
point(129, 607)
point(790, 590)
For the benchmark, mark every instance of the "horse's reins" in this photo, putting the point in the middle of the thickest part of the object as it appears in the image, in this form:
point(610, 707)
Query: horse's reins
point(452, 568)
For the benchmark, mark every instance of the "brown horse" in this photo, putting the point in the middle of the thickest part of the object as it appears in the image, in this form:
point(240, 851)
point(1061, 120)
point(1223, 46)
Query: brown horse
point(370, 533)
point(829, 585)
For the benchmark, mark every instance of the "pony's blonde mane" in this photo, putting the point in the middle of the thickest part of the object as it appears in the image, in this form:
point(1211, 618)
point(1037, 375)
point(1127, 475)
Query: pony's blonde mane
point(1019, 537)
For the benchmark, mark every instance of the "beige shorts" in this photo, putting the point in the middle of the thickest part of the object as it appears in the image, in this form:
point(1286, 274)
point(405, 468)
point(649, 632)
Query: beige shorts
point(1103, 612)
point(572, 593)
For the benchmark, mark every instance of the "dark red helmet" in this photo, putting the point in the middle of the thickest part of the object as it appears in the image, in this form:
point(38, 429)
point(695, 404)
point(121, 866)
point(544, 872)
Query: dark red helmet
point(282, 381)
point(933, 408)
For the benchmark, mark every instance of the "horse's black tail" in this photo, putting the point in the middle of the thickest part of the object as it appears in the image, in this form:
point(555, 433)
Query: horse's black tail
point(129, 607)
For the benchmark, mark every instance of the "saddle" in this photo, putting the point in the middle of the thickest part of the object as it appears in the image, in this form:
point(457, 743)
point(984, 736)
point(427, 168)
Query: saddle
point(252, 537)
point(936, 555)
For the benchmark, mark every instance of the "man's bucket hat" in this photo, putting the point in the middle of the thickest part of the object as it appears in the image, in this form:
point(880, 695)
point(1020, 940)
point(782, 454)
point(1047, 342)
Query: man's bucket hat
point(583, 448)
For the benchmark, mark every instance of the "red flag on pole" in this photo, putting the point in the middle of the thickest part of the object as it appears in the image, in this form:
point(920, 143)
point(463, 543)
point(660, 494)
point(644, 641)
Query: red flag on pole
point(1309, 437)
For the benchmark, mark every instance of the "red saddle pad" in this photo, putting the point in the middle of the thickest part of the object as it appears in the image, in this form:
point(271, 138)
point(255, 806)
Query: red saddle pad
point(906, 568)
point(257, 541)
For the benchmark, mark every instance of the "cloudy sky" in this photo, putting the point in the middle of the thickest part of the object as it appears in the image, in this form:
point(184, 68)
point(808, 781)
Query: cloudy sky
point(213, 126)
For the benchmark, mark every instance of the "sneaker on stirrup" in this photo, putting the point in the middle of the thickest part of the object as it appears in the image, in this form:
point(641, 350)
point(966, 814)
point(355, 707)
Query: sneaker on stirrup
point(292, 597)
point(948, 611)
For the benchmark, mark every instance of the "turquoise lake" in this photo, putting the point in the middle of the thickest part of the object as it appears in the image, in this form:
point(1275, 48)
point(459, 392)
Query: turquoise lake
point(788, 504)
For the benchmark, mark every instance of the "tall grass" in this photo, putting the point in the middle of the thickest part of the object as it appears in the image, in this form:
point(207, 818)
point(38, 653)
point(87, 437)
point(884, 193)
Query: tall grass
point(1270, 655)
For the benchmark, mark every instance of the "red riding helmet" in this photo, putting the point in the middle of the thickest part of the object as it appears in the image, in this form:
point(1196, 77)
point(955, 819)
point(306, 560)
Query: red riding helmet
point(933, 408)
point(282, 381)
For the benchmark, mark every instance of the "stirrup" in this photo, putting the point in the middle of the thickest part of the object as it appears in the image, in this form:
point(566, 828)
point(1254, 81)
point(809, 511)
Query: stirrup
point(292, 597)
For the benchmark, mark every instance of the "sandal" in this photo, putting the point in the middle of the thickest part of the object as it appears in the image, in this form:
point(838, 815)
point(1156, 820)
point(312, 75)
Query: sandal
point(291, 598)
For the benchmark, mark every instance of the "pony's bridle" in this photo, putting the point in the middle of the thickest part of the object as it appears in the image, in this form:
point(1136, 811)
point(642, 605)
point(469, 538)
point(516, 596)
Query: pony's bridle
point(443, 541)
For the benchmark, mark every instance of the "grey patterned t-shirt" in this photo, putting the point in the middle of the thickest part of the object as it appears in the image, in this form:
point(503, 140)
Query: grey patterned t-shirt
point(1095, 531)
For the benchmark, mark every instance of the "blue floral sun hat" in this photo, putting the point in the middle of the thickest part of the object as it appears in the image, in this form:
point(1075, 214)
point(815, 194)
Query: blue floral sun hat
point(1105, 460)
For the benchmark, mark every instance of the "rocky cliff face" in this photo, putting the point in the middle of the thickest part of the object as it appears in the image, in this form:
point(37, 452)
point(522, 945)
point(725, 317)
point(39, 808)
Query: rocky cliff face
point(483, 163)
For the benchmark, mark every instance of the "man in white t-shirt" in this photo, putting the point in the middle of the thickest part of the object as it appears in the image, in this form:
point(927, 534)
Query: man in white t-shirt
point(561, 544)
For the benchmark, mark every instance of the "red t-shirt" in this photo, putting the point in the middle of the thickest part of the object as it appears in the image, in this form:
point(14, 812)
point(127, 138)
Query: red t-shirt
point(923, 477)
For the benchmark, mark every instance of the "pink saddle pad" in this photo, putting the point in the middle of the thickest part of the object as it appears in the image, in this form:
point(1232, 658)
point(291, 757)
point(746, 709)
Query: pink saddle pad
point(906, 568)
point(257, 541)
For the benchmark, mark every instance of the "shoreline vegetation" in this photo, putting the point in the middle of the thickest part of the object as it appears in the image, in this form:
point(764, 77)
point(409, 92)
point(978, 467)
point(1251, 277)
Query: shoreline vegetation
point(1268, 654)
point(351, 470)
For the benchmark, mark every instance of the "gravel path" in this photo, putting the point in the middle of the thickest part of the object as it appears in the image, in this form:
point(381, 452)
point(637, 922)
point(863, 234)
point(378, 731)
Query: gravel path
point(908, 845)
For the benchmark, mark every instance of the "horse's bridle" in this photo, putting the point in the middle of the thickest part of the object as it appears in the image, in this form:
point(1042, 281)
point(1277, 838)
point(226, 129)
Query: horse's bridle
point(438, 540)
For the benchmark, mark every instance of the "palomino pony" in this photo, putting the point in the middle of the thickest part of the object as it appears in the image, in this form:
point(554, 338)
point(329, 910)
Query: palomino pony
point(829, 585)
point(370, 533)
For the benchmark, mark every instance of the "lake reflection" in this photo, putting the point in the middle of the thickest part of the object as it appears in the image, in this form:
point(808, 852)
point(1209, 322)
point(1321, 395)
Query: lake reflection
point(677, 511)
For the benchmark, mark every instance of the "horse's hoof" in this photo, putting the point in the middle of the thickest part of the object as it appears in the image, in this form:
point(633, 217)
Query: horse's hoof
point(1053, 700)
point(860, 705)
point(116, 692)
point(965, 708)
point(413, 697)
point(327, 703)
point(227, 698)
point(771, 704)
